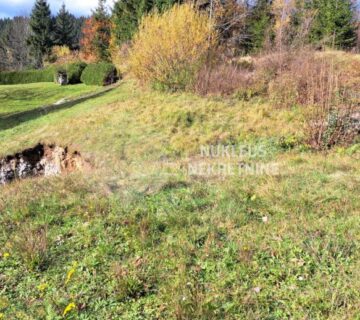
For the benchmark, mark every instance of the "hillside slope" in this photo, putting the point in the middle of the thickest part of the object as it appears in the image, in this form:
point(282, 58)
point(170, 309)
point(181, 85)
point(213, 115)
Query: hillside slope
point(136, 236)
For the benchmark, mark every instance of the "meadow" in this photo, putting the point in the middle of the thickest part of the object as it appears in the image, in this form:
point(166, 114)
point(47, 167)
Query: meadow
point(18, 98)
point(136, 236)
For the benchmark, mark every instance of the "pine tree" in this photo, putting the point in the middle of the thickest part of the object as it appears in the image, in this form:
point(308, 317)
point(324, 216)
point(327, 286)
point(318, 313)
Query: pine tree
point(41, 26)
point(65, 33)
point(125, 18)
point(260, 24)
point(334, 23)
point(101, 41)
point(128, 13)
point(78, 26)
point(163, 5)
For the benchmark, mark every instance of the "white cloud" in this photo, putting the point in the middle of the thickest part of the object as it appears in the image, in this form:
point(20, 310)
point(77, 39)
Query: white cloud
point(74, 6)
point(23, 7)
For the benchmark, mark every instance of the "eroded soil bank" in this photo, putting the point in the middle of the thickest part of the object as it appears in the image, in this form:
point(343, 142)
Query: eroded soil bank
point(41, 160)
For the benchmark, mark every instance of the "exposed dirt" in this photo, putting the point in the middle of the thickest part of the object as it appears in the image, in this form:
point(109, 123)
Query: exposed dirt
point(42, 160)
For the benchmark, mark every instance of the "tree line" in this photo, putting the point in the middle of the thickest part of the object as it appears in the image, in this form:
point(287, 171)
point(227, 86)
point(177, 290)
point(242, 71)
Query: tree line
point(244, 27)
point(24, 41)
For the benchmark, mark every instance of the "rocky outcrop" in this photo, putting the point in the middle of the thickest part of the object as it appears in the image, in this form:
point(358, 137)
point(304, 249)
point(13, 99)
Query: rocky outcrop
point(42, 160)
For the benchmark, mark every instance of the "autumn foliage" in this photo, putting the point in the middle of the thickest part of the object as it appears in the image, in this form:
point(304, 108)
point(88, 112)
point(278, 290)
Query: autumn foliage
point(169, 48)
point(87, 41)
point(95, 40)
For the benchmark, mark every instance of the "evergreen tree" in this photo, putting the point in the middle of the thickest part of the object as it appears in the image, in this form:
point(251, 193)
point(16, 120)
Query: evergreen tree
point(101, 41)
point(334, 23)
point(78, 26)
point(64, 32)
point(128, 13)
point(41, 26)
point(260, 24)
point(126, 16)
point(163, 5)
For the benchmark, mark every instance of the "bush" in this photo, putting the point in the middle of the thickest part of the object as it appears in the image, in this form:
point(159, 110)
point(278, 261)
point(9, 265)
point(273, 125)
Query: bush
point(225, 79)
point(61, 55)
point(28, 76)
point(72, 71)
point(318, 84)
point(170, 48)
point(100, 74)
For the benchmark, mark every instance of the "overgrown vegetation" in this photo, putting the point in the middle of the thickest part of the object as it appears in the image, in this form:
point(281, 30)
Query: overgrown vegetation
point(230, 193)
point(138, 236)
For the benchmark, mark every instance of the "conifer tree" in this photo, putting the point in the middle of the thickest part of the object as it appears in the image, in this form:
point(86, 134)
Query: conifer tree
point(64, 31)
point(41, 26)
point(126, 16)
point(128, 13)
point(101, 41)
point(261, 22)
point(334, 23)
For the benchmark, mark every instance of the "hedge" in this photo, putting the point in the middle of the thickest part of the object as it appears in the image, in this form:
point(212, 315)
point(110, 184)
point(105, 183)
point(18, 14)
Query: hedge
point(28, 76)
point(73, 71)
point(100, 74)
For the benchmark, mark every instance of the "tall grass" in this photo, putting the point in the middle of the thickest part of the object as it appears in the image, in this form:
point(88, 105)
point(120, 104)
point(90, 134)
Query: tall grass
point(319, 84)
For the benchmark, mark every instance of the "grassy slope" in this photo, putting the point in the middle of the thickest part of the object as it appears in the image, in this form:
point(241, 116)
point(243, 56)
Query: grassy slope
point(17, 98)
point(147, 241)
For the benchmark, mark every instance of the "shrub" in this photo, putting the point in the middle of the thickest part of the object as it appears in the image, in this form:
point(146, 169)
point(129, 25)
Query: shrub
point(28, 76)
point(170, 48)
point(120, 56)
point(223, 79)
point(61, 55)
point(100, 74)
point(318, 84)
point(73, 72)
point(61, 51)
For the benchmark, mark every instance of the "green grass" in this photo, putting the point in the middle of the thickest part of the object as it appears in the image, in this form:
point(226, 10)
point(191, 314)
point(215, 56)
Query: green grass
point(136, 237)
point(18, 98)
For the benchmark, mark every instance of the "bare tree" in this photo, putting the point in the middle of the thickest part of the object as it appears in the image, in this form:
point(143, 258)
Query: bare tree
point(17, 49)
point(230, 18)
point(14, 52)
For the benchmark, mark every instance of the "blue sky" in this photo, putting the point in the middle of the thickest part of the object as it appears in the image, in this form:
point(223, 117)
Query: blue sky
point(10, 8)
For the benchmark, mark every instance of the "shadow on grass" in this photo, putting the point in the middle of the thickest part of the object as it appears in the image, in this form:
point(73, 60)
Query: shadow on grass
point(9, 121)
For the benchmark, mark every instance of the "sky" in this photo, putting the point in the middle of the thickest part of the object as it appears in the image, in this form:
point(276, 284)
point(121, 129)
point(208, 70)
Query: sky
point(11, 8)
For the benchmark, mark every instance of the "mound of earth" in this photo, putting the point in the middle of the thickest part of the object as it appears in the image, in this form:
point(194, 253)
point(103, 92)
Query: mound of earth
point(41, 160)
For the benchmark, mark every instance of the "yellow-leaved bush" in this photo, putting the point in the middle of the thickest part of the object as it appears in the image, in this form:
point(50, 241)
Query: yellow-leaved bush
point(169, 48)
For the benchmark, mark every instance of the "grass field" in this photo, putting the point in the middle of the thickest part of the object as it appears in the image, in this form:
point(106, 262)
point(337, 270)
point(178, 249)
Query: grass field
point(137, 237)
point(18, 98)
